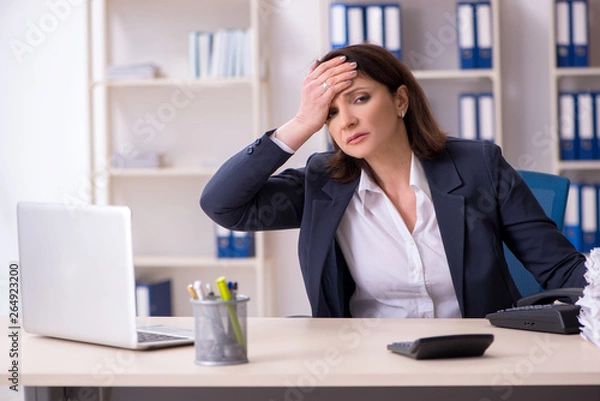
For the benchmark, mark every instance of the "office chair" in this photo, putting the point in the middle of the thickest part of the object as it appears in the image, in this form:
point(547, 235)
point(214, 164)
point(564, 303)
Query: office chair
point(551, 191)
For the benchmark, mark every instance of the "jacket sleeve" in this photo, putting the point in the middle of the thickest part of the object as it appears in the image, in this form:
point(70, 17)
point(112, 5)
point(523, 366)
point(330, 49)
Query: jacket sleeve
point(244, 194)
point(531, 235)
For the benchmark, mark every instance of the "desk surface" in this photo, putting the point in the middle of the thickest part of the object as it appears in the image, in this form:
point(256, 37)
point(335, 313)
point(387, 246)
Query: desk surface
point(320, 352)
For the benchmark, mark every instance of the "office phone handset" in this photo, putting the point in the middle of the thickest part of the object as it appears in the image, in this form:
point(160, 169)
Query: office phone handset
point(550, 311)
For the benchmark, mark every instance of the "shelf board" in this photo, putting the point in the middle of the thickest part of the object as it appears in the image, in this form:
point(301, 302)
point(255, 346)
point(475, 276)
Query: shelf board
point(579, 165)
point(577, 71)
point(166, 82)
point(162, 172)
point(455, 74)
point(192, 261)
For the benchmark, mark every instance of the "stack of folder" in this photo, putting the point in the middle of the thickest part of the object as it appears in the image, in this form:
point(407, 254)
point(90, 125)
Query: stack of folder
point(475, 45)
point(572, 35)
point(476, 116)
point(581, 224)
point(579, 125)
point(366, 23)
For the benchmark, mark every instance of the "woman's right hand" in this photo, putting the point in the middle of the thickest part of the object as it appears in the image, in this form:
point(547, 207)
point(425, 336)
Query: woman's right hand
point(322, 83)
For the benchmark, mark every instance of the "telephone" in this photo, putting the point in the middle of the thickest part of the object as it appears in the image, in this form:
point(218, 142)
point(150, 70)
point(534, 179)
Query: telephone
point(550, 311)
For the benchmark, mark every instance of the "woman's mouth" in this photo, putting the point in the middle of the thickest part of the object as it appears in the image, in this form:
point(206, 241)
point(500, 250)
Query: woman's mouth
point(356, 138)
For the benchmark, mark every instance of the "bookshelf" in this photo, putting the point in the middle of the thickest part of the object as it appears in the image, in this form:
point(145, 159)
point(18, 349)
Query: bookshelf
point(195, 124)
point(430, 50)
point(574, 79)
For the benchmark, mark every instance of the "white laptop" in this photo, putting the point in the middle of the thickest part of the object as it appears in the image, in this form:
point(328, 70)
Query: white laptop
point(78, 279)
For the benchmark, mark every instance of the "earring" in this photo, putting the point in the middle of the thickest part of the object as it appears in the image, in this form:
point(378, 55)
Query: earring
point(402, 114)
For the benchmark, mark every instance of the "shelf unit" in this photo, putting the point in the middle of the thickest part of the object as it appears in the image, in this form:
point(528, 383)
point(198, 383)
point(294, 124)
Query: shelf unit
point(430, 50)
point(196, 124)
point(574, 79)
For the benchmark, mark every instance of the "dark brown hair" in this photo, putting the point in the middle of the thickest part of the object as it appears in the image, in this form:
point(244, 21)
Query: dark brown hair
point(425, 137)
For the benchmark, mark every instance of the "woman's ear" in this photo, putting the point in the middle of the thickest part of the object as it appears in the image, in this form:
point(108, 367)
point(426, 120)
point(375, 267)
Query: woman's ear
point(401, 100)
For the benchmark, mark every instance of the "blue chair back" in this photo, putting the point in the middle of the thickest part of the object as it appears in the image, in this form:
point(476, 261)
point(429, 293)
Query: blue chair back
point(551, 191)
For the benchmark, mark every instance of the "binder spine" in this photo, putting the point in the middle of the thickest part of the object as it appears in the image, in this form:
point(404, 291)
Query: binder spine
point(580, 37)
point(392, 32)
point(154, 298)
point(465, 14)
point(375, 24)
point(563, 33)
point(572, 227)
point(485, 108)
point(193, 55)
point(223, 237)
point(589, 217)
point(567, 126)
point(338, 25)
point(356, 24)
point(483, 18)
point(596, 119)
point(242, 244)
point(585, 124)
point(467, 104)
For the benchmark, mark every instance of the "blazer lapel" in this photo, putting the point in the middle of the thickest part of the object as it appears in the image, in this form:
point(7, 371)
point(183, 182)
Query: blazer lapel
point(450, 210)
point(327, 212)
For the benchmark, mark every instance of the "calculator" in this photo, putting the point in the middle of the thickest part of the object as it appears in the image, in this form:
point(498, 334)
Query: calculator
point(450, 346)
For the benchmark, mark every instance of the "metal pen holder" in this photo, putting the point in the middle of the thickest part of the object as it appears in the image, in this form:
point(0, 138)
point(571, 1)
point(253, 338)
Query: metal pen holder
point(220, 331)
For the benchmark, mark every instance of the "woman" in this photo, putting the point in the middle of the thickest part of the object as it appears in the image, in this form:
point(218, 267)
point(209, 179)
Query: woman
point(399, 220)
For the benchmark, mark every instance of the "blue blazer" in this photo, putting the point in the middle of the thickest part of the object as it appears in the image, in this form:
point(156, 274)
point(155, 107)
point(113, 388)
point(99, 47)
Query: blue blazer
point(479, 199)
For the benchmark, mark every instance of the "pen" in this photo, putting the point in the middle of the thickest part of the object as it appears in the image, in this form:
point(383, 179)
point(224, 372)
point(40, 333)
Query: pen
point(199, 290)
point(209, 292)
point(192, 292)
point(226, 296)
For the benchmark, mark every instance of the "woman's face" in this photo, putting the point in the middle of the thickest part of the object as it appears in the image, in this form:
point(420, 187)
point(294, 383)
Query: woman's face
point(365, 118)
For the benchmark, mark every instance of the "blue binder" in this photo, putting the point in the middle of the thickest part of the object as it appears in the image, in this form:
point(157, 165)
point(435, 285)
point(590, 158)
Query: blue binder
point(572, 226)
point(563, 33)
point(585, 126)
point(223, 239)
point(580, 33)
point(465, 15)
point(468, 120)
point(242, 244)
point(392, 29)
point(153, 298)
point(485, 117)
point(567, 127)
point(338, 25)
point(483, 37)
point(356, 24)
point(589, 217)
point(596, 118)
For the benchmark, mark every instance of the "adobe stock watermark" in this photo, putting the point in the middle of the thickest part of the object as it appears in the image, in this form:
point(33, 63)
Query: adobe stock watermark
point(349, 336)
point(145, 130)
point(269, 7)
point(118, 363)
point(435, 44)
point(503, 384)
point(37, 31)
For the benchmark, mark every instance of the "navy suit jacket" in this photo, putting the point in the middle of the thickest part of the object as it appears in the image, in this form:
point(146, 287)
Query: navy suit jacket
point(479, 199)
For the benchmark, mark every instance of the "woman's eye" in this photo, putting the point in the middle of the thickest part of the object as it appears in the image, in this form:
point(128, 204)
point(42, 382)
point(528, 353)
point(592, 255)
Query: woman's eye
point(362, 98)
point(331, 114)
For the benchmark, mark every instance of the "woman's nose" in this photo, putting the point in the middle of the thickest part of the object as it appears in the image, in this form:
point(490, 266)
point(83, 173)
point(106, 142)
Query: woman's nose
point(347, 118)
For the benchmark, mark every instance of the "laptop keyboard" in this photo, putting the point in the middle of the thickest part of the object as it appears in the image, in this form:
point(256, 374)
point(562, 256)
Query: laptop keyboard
point(147, 337)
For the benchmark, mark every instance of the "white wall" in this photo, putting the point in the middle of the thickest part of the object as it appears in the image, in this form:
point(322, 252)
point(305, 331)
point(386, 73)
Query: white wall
point(43, 131)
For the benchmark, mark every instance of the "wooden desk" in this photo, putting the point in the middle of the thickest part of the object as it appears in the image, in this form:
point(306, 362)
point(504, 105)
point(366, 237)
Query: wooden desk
point(295, 355)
